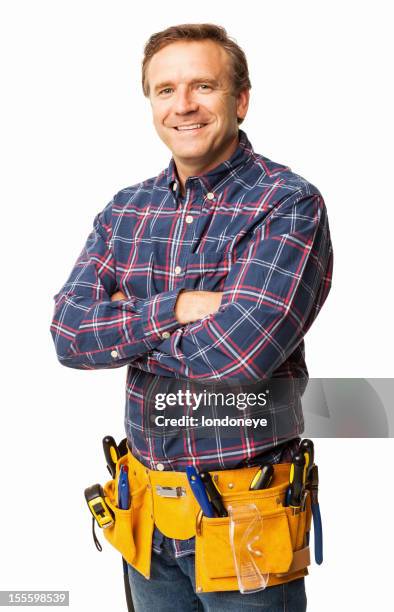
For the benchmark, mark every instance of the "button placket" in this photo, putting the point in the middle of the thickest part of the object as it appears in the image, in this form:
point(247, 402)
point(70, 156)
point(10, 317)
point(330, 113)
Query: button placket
point(193, 204)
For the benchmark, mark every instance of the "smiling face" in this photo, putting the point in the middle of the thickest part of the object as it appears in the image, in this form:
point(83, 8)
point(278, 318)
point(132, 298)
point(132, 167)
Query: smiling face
point(194, 108)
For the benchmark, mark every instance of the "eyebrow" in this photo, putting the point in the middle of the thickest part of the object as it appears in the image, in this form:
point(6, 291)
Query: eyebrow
point(209, 81)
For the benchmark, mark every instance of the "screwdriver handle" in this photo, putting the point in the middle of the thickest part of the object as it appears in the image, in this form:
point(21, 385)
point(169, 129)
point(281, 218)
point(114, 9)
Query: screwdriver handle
point(297, 480)
point(213, 493)
point(263, 478)
point(111, 453)
point(307, 448)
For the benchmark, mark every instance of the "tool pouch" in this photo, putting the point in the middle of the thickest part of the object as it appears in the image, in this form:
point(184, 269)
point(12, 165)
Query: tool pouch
point(282, 553)
point(285, 554)
point(125, 533)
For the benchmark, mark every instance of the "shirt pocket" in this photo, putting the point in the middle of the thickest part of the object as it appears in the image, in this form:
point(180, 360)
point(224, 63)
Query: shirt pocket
point(207, 271)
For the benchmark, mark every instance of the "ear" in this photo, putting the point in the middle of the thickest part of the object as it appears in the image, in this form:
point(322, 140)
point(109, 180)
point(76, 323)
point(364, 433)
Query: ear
point(242, 103)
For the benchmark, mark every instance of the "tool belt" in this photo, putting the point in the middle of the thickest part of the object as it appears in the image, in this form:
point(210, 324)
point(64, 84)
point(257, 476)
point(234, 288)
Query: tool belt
point(165, 499)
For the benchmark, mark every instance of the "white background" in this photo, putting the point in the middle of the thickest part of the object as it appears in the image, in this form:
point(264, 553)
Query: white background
point(75, 129)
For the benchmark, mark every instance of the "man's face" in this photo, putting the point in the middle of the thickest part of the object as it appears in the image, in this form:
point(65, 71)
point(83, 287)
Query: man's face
point(194, 109)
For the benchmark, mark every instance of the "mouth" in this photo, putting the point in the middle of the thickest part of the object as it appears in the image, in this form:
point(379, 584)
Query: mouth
point(192, 127)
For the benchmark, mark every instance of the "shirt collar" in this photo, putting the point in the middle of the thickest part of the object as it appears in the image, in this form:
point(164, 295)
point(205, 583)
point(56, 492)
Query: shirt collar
point(241, 155)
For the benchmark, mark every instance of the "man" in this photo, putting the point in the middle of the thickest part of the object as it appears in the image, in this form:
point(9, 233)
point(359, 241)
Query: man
point(211, 272)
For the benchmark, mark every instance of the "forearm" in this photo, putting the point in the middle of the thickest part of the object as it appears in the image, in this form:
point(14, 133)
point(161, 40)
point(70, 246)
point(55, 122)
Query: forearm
point(113, 331)
point(108, 334)
point(119, 330)
point(231, 345)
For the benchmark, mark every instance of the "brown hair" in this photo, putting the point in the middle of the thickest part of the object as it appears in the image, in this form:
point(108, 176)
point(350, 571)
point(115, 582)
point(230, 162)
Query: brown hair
point(199, 31)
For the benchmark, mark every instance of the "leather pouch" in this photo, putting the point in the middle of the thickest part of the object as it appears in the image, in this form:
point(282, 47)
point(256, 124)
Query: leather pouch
point(285, 554)
point(132, 529)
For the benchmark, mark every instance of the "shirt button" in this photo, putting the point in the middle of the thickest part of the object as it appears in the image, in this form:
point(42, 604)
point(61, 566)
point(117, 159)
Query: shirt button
point(178, 270)
point(210, 195)
point(165, 335)
point(189, 219)
point(160, 467)
point(114, 354)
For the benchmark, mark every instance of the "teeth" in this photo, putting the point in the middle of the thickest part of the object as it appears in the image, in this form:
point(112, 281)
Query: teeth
point(189, 127)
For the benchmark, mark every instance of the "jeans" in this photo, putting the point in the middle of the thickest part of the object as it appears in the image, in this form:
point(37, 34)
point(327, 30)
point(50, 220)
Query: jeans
point(171, 588)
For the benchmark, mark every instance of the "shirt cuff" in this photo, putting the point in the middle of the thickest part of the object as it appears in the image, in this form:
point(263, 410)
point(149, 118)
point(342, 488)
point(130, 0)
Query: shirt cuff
point(158, 315)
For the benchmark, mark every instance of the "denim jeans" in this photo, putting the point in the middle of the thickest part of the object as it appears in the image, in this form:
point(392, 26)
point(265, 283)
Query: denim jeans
point(171, 588)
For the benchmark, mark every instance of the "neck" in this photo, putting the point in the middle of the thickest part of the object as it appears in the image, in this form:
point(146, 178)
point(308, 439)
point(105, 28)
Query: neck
point(186, 169)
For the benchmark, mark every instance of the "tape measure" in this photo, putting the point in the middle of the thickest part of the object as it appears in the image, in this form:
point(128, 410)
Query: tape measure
point(94, 496)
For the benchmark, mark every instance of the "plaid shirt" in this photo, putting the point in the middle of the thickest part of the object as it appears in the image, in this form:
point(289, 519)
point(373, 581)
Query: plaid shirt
point(249, 228)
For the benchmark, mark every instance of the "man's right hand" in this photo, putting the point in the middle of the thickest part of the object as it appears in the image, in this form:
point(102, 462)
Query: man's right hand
point(118, 295)
point(194, 305)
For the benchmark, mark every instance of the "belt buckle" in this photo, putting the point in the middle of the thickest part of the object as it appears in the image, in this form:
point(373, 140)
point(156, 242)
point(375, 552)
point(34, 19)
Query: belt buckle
point(170, 491)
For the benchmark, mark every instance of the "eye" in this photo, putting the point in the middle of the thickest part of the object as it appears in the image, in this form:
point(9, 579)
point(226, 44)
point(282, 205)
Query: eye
point(204, 86)
point(165, 91)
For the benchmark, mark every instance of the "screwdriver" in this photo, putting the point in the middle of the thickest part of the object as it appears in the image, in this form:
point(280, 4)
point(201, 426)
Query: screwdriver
point(111, 453)
point(263, 478)
point(199, 492)
point(297, 481)
point(307, 447)
point(213, 493)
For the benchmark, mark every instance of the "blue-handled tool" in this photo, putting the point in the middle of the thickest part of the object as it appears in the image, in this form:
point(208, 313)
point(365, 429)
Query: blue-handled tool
point(124, 504)
point(317, 524)
point(123, 488)
point(198, 488)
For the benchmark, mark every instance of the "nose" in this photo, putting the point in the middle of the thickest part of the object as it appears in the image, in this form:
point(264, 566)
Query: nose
point(184, 102)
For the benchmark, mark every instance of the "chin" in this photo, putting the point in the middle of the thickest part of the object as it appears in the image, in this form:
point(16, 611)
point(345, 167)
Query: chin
point(191, 153)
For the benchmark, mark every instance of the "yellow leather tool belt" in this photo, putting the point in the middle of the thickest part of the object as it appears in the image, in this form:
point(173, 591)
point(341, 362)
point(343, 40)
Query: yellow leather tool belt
point(165, 499)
